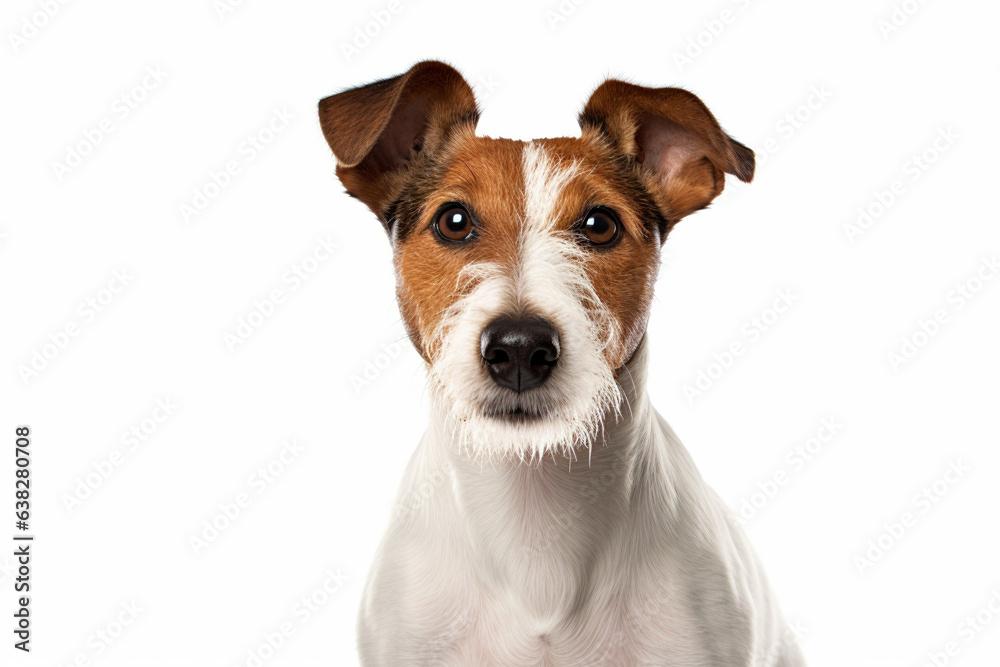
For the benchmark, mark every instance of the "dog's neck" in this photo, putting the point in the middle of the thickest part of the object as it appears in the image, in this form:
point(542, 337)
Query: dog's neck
point(537, 526)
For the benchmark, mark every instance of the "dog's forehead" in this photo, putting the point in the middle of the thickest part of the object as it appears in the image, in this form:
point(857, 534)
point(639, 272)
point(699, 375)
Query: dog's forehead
point(499, 178)
point(480, 161)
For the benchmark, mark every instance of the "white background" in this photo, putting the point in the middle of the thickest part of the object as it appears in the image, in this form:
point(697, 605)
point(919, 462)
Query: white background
point(836, 110)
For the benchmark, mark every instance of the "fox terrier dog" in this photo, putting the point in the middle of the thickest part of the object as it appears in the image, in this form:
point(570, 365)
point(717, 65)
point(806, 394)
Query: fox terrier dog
point(549, 516)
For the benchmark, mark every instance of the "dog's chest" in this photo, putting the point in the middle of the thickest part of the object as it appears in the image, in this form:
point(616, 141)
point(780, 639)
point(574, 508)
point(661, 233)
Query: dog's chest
point(538, 567)
point(502, 632)
point(637, 621)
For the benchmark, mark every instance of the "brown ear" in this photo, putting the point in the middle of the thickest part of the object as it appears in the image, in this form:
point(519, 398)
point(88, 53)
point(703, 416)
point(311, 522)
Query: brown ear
point(379, 130)
point(681, 152)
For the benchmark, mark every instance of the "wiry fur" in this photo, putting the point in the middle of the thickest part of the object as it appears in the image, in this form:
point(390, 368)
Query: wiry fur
point(547, 280)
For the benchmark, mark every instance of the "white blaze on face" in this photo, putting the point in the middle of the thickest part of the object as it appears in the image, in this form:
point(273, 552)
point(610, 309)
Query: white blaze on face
point(548, 280)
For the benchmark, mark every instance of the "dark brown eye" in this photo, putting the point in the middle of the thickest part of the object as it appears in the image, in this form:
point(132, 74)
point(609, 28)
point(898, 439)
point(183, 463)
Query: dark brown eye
point(600, 226)
point(454, 223)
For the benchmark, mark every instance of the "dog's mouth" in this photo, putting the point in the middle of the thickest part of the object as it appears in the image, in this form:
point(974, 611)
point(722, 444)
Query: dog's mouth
point(515, 413)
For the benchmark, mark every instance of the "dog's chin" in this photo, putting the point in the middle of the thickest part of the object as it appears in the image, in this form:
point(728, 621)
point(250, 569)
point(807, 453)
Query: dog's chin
point(524, 435)
point(525, 428)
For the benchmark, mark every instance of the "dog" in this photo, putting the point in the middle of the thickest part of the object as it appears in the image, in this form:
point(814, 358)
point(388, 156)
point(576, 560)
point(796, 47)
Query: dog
point(549, 516)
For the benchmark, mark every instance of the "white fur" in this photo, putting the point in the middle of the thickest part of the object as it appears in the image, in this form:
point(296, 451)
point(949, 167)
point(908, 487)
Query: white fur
point(507, 549)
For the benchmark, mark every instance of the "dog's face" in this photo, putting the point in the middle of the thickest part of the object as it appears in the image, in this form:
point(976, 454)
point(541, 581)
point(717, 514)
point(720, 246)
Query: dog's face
point(525, 270)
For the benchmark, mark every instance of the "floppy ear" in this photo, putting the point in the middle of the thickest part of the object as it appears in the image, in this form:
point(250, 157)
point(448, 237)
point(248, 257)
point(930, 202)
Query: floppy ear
point(378, 131)
point(679, 149)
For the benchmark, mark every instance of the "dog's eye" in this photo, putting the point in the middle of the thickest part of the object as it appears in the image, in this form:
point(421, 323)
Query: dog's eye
point(454, 223)
point(600, 226)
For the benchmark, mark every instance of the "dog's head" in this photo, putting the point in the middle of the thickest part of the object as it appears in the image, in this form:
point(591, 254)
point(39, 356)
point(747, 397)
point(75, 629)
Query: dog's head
point(525, 270)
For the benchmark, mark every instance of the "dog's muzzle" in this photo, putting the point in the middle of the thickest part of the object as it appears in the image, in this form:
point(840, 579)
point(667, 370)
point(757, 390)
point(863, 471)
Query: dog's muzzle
point(520, 352)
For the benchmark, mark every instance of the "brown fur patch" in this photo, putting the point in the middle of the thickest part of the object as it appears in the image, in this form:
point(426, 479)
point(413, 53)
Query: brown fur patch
point(483, 174)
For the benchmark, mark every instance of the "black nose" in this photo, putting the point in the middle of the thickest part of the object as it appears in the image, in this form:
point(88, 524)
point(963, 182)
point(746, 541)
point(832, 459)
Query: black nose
point(519, 351)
